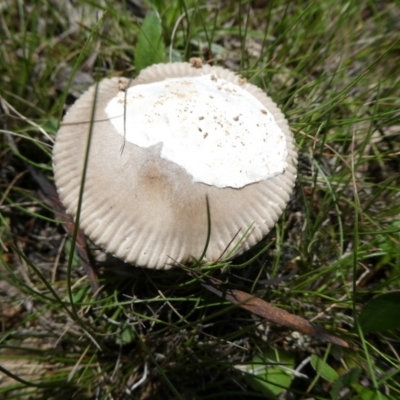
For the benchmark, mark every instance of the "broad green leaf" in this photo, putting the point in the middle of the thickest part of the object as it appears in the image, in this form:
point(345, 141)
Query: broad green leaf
point(388, 244)
point(127, 335)
point(51, 125)
point(379, 314)
point(345, 381)
point(76, 262)
point(150, 48)
point(271, 374)
point(323, 369)
point(368, 394)
point(78, 296)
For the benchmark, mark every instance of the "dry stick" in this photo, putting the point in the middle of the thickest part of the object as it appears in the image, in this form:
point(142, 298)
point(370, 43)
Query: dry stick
point(271, 313)
point(50, 197)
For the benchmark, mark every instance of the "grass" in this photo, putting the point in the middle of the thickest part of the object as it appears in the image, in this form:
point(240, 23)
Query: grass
point(333, 69)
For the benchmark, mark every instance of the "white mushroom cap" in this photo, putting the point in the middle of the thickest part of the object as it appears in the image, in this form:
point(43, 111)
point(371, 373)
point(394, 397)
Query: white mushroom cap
point(177, 136)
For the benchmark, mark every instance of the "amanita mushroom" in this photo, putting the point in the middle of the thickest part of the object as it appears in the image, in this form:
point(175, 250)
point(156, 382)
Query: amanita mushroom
point(160, 146)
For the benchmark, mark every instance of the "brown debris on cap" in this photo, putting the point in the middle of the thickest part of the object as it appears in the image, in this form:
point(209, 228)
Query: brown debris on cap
point(147, 210)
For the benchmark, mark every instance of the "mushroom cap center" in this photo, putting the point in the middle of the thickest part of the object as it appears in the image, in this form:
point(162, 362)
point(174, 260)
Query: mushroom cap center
point(217, 131)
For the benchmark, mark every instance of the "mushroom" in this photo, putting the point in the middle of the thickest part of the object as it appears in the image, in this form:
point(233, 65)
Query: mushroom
point(167, 150)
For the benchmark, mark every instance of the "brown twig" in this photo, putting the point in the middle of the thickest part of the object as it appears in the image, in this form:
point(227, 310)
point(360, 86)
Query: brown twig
point(270, 312)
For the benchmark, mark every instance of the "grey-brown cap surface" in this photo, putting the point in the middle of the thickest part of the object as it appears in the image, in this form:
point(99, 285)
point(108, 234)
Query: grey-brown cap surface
point(147, 179)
